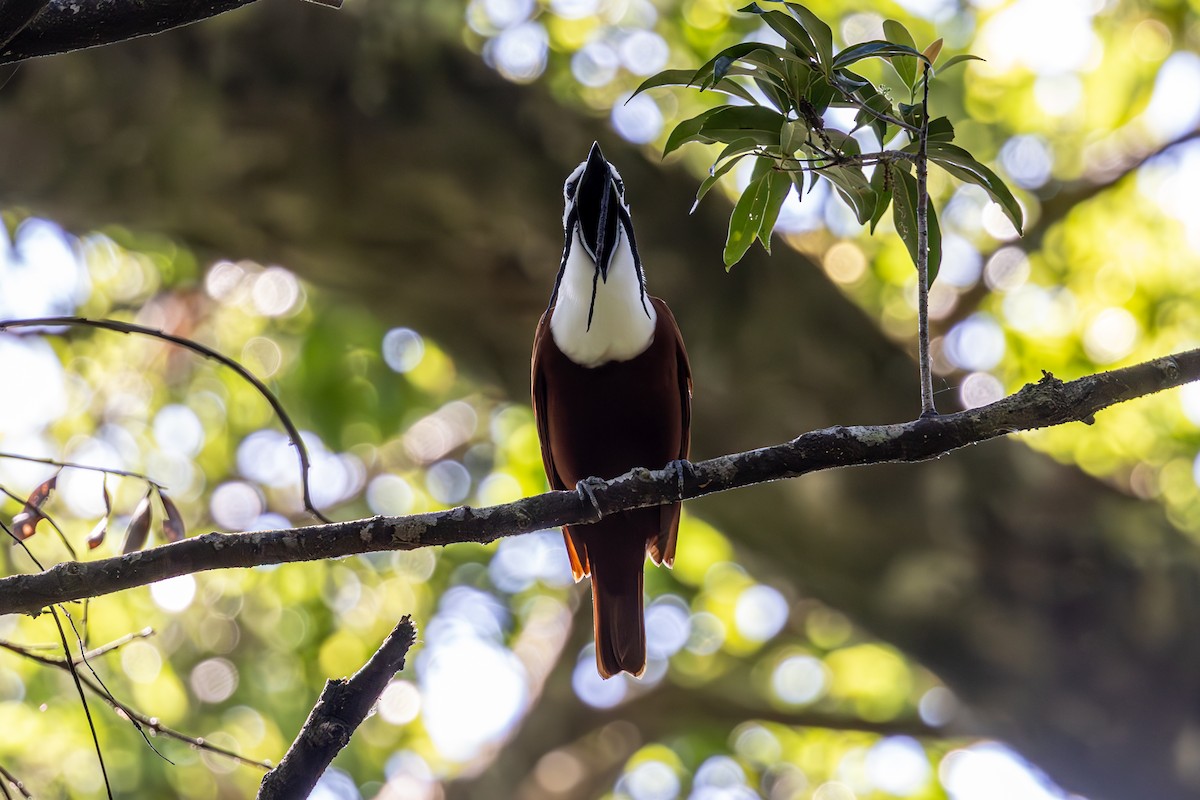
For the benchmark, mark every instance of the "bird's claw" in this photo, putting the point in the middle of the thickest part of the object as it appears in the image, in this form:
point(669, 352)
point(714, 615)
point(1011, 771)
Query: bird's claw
point(683, 469)
point(586, 489)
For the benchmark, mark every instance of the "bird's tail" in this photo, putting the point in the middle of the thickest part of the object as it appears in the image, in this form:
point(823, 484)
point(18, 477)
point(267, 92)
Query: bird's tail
point(617, 608)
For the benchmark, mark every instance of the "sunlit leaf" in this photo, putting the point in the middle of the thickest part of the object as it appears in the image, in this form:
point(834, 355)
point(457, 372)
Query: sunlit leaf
point(821, 33)
point(687, 131)
point(745, 221)
point(173, 527)
point(139, 527)
point(26, 521)
point(717, 174)
point(668, 77)
point(852, 186)
point(787, 27)
point(959, 59)
point(779, 184)
point(98, 534)
point(962, 165)
point(905, 66)
point(932, 51)
point(875, 48)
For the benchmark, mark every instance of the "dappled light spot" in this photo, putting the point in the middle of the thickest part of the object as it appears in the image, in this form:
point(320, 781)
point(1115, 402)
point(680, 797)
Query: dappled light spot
point(276, 292)
point(1007, 269)
point(519, 53)
point(668, 626)
point(757, 745)
point(990, 771)
point(1039, 311)
point(435, 435)
point(41, 272)
point(961, 263)
point(720, 777)
point(390, 494)
point(707, 634)
point(558, 771)
point(408, 778)
point(977, 343)
point(1111, 335)
point(267, 457)
point(643, 52)
point(650, 780)
point(799, 680)
point(335, 785)
point(834, 790)
point(521, 561)
point(35, 363)
point(141, 662)
point(760, 613)
point(1048, 38)
point(400, 703)
point(448, 482)
point(174, 594)
point(590, 687)
point(997, 224)
point(1174, 107)
point(595, 64)
point(898, 765)
point(214, 680)
point(845, 263)
point(575, 9)
point(177, 429)
point(639, 120)
point(403, 349)
point(1027, 160)
point(938, 706)
point(235, 505)
point(980, 389)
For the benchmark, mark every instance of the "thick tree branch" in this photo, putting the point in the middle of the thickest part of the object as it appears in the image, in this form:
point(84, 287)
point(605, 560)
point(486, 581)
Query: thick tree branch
point(341, 708)
point(1047, 403)
point(66, 25)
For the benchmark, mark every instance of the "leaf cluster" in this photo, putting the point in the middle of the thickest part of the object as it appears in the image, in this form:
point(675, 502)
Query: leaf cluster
point(781, 96)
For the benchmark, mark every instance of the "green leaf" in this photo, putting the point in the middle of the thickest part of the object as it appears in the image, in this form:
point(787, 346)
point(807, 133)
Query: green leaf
point(791, 31)
point(820, 94)
point(778, 186)
point(791, 136)
point(688, 131)
point(821, 34)
point(704, 75)
point(731, 123)
point(950, 62)
point(962, 165)
point(668, 77)
point(715, 175)
point(905, 66)
point(904, 216)
point(852, 186)
point(777, 96)
point(940, 130)
point(875, 48)
point(882, 187)
point(745, 221)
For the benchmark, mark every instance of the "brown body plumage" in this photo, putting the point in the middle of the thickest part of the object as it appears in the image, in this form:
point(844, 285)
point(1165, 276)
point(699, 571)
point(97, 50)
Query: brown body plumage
point(602, 421)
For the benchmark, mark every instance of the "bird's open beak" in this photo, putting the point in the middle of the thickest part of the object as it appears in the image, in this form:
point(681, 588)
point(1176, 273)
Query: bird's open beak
point(597, 206)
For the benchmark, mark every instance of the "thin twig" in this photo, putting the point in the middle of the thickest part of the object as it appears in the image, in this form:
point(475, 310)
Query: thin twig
point(341, 708)
point(150, 723)
point(105, 649)
point(69, 663)
point(923, 366)
point(72, 465)
point(1047, 403)
point(8, 778)
point(206, 352)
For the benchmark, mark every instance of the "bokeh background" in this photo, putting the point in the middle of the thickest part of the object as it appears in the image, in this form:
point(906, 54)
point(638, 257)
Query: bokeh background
point(364, 208)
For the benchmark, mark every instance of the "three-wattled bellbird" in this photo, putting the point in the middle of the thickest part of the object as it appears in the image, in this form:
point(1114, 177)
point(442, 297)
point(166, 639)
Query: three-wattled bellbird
point(612, 391)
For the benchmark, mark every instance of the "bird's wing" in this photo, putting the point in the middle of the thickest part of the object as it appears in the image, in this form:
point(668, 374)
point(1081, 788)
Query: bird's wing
point(541, 339)
point(662, 549)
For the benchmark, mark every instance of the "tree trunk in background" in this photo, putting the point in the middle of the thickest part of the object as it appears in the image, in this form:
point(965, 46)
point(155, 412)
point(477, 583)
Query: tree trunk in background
point(383, 162)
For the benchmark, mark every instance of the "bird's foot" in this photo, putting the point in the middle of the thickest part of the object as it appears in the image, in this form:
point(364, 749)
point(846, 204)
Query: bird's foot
point(683, 469)
point(586, 489)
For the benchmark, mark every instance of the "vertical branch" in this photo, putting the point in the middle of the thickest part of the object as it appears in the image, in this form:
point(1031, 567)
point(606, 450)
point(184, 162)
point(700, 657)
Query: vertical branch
point(926, 375)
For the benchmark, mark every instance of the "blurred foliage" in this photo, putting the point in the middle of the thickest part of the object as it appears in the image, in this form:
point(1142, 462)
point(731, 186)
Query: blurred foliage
point(1107, 275)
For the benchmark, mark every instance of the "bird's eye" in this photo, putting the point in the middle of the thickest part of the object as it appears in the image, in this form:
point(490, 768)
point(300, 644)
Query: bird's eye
point(569, 189)
point(620, 186)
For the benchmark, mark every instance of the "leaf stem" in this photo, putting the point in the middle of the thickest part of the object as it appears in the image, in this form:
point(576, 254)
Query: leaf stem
point(923, 365)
